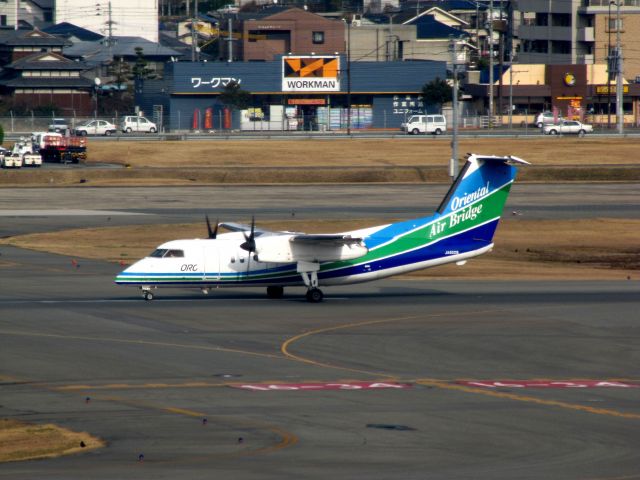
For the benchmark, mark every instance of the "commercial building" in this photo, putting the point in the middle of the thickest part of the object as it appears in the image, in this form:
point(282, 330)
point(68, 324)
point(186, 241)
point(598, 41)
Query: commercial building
point(571, 91)
point(305, 92)
point(562, 32)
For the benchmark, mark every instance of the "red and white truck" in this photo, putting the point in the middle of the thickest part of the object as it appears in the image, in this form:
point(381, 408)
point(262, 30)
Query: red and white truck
point(55, 147)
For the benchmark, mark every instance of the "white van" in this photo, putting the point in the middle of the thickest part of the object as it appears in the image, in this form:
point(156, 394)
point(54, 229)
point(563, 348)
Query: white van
point(416, 124)
point(134, 123)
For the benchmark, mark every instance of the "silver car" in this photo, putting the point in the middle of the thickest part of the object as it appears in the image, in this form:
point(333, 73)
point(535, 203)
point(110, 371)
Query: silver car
point(568, 126)
point(96, 127)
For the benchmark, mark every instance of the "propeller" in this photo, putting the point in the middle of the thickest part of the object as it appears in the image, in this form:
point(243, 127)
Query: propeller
point(250, 241)
point(212, 233)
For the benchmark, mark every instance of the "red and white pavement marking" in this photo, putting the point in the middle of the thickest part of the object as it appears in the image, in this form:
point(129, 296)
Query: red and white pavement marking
point(549, 384)
point(266, 387)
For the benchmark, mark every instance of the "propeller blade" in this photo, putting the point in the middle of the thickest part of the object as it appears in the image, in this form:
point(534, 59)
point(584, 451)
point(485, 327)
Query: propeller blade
point(250, 243)
point(212, 233)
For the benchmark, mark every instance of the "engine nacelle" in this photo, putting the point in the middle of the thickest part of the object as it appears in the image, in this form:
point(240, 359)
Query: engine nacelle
point(280, 249)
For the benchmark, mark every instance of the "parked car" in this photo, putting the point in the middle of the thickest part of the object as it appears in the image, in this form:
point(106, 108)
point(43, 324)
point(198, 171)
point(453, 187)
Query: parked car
point(96, 127)
point(134, 123)
point(416, 124)
point(568, 126)
point(58, 125)
point(545, 118)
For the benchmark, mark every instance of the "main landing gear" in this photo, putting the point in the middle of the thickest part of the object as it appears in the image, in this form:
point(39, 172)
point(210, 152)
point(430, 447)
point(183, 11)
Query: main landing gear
point(309, 273)
point(147, 294)
point(314, 295)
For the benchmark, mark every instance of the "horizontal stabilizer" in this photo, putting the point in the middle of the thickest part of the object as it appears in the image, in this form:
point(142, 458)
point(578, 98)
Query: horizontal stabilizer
point(509, 159)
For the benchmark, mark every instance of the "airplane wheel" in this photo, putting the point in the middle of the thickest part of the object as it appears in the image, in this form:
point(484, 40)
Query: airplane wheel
point(314, 295)
point(148, 296)
point(275, 291)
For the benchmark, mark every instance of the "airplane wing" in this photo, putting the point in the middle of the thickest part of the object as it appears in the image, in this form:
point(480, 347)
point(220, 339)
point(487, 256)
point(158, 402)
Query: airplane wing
point(243, 227)
point(325, 239)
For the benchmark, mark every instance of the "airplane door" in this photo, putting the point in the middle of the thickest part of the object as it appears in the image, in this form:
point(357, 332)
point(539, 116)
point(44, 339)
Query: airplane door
point(211, 264)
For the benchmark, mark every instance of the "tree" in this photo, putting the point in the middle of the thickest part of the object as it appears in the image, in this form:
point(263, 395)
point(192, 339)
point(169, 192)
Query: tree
point(235, 97)
point(120, 71)
point(140, 70)
point(437, 92)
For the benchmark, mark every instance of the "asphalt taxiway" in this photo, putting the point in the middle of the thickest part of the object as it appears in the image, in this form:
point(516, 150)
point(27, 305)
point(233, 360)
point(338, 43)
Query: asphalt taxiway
point(160, 379)
point(27, 210)
point(393, 379)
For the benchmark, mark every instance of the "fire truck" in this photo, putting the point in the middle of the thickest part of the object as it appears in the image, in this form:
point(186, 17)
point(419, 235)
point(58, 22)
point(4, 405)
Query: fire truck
point(55, 147)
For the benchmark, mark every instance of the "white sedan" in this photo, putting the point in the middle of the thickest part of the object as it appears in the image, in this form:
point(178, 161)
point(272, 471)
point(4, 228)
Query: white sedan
point(568, 126)
point(95, 127)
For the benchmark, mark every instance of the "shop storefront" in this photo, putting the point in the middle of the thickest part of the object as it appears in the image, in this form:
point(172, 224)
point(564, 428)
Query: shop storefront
point(581, 92)
point(295, 93)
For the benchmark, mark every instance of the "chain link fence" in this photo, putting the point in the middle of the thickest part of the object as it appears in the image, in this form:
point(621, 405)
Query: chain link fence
point(238, 122)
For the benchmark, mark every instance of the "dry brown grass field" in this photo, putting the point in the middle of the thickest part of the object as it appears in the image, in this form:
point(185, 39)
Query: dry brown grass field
point(424, 150)
point(525, 249)
point(25, 441)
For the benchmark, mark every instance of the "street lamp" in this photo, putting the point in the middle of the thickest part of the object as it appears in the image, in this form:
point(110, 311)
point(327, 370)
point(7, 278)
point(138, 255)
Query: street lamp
point(349, 20)
point(619, 72)
point(97, 83)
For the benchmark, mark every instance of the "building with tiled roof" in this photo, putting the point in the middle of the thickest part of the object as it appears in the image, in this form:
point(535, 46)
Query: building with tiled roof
point(47, 78)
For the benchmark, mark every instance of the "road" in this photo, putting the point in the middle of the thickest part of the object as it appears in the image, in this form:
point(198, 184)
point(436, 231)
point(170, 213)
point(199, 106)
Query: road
point(302, 135)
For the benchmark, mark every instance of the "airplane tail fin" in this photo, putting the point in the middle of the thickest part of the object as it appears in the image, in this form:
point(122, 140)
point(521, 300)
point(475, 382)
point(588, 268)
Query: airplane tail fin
point(480, 176)
point(476, 199)
point(466, 219)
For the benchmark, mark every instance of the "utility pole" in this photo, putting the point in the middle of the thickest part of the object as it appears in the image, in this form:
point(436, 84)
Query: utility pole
point(619, 71)
point(453, 164)
point(110, 23)
point(610, 70)
point(349, 20)
point(491, 64)
point(193, 39)
point(194, 31)
point(230, 39)
point(511, 87)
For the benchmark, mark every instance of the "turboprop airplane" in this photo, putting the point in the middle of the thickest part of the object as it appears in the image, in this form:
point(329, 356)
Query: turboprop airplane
point(461, 228)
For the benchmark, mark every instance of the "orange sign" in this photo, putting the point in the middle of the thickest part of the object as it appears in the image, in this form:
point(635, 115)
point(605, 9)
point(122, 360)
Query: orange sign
point(306, 101)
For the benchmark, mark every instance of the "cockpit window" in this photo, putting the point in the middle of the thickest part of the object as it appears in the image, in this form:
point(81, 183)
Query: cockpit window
point(165, 253)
